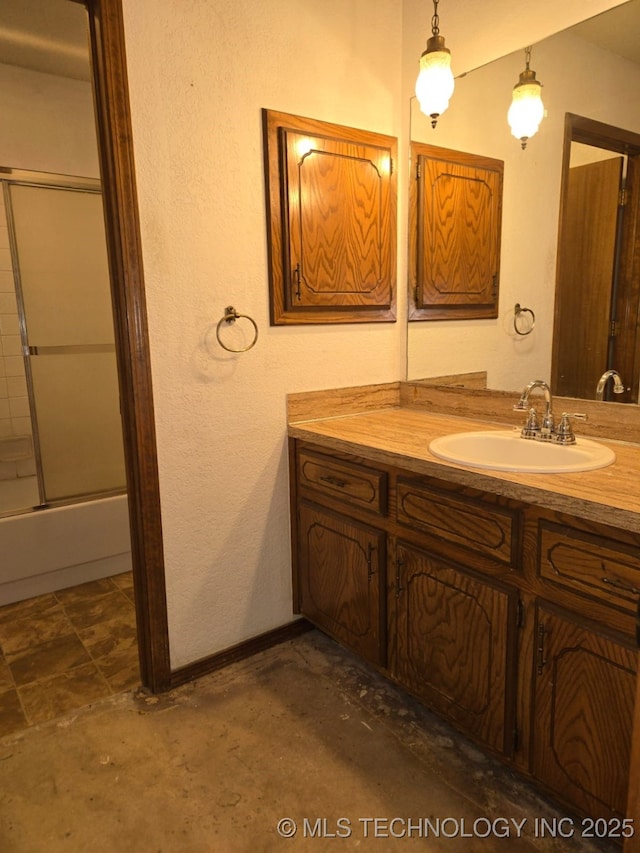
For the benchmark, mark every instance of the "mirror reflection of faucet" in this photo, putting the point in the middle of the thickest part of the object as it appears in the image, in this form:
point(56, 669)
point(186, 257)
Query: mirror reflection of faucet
point(618, 386)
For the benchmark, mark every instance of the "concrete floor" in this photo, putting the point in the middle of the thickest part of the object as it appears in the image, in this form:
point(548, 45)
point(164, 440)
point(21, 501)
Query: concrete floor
point(302, 731)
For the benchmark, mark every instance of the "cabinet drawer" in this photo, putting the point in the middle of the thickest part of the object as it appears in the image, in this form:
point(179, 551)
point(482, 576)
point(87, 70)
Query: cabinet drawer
point(486, 529)
point(355, 485)
point(589, 564)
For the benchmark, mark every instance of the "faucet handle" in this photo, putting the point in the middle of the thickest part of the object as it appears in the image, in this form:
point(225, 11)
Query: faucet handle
point(564, 432)
point(532, 427)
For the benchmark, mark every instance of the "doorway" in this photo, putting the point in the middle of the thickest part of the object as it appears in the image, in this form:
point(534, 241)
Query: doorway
point(103, 19)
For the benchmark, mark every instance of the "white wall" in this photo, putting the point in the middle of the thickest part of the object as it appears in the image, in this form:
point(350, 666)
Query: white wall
point(199, 73)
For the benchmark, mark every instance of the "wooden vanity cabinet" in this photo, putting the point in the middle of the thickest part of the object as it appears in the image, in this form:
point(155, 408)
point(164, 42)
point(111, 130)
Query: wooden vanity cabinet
point(514, 622)
point(375, 549)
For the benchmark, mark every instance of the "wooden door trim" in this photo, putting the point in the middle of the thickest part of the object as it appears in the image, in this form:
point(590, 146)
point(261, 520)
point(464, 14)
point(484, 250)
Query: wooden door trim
point(115, 146)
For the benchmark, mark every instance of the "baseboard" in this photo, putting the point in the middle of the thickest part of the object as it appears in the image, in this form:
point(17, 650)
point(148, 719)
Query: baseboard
point(239, 652)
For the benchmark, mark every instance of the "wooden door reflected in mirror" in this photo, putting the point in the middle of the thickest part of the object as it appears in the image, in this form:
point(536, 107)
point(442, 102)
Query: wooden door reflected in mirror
point(598, 273)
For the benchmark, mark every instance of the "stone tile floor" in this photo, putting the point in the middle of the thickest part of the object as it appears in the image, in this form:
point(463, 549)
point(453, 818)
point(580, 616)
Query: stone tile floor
point(64, 650)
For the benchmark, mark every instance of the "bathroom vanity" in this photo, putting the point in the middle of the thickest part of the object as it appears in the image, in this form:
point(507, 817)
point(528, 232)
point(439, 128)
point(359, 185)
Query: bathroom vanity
point(505, 602)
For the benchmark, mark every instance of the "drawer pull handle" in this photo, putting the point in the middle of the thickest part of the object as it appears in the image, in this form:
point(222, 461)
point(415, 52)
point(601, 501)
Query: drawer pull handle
point(334, 481)
point(625, 587)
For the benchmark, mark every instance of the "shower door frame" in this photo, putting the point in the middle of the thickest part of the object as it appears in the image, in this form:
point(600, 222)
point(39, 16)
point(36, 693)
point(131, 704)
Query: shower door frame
point(26, 178)
point(124, 251)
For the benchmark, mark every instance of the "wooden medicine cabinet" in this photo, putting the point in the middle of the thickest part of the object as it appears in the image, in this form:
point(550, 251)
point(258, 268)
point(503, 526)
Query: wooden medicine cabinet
point(331, 221)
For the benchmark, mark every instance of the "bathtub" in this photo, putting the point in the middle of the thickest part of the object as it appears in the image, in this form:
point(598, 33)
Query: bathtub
point(51, 549)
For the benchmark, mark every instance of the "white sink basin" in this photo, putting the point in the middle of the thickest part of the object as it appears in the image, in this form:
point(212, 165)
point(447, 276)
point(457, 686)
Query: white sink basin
point(506, 451)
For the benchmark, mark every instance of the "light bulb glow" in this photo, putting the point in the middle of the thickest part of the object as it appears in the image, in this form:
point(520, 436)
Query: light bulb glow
point(526, 110)
point(435, 84)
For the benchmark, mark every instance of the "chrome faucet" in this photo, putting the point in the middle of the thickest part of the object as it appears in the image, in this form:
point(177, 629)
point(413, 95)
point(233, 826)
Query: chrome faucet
point(532, 428)
point(618, 387)
point(546, 431)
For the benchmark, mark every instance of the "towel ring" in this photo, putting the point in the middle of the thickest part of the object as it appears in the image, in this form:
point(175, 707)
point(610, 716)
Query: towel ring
point(517, 311)
point(230, 316)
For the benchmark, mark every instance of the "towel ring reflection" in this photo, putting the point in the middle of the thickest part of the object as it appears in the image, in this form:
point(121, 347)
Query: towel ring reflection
point(230, 316)
point(517, 311)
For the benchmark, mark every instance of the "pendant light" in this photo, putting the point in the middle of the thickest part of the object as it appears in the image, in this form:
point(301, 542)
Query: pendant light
point(526, 110)
point(434, 85)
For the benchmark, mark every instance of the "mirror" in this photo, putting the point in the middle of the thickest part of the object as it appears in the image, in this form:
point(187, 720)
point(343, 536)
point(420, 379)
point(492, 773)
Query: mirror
point(587, 70)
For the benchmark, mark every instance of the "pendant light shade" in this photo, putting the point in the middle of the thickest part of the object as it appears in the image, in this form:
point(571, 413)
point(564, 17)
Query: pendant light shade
point(435, 85)
point(526, 110)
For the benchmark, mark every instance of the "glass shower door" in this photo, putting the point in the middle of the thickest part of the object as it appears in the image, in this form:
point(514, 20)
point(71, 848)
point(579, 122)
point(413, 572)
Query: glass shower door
point(68, 341)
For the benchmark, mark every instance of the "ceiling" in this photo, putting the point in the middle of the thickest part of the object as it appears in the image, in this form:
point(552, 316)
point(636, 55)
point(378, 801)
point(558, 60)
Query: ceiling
point(51, 35)
point(615, 30)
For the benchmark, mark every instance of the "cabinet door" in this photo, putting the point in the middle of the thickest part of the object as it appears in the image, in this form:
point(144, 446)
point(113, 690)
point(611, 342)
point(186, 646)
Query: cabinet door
point(456, 215)
point(341, 574)
point(331, 193)
point(453, 644)
point(583, 714)
point(339, 206)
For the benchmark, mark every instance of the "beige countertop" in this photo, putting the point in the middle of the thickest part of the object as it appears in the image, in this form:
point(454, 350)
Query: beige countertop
point(400, 437)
